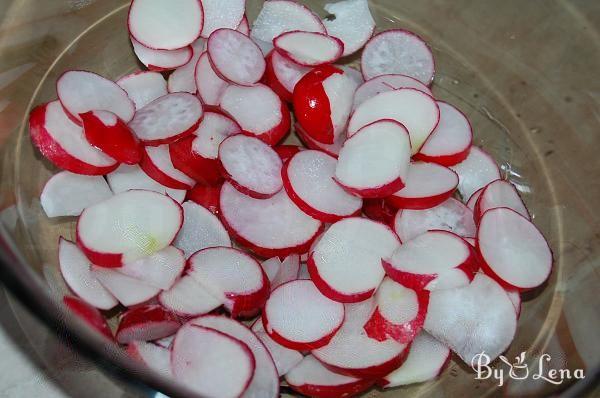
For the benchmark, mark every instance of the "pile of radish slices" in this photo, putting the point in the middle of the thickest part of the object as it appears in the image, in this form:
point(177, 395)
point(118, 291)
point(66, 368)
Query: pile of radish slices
point(238, 263)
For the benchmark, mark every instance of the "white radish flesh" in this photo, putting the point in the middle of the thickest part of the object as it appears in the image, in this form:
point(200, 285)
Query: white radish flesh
point(500, 193)
point(143, 87)
point(339, 89)
point(158, 165)
point(220, 14)
point(160, 269)
point(128, 177)
point(161, 60)
point(188, 298)
point(129, 291)
point(472, 202)
point(309, 48)
point(288, 271)
point(153, 356)
point(210, 86)
point(183, 79)
point(211, 132)
point(285, 359)
point(330, 149)
point(475, 172)
point(287, 72)
point(68, 194)
point(353, 23)
point(385, 83)
point(271, 267)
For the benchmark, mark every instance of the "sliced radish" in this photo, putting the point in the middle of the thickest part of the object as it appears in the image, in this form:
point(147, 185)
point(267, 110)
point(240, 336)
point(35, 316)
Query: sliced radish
point(188, 298)
point(472, 202)
point(303, 272)
point(374, 162)
point(450, 216)
point(515, 298)
point(157, 163)
point(385, 83)
point(252, 166)
point(475, 172)
point(282, 74)
point(200, 169)
point(271, 267)
point(201, 229)
point(269, 227)
point(160, 270)
point(499, 193)
point(244, 26)
point(76, 271)
point(157, 24)
point(183, 79)
point(167, 119)
point(452, 278)
point(210, 362)
point(62, 142)
point(473, 319)
point(379, 210)
point(299, 317)
point(145, 323)
point(161, 60)
point(219, 14)
point(68, 194)
point(346, 262)
point(288, 271)
point(127, 177)
point(207, 197)
point(152, 355)
point(235, 57)
point(127, 227)
point(143, 87)
point(286, 152)
point(213, 129)
point(165, 342)
point(210, 86)
point(309, 48)
point(417, 111)
point(353, 23)
point(398, 51)
point(284, 358)
point(427, 185)
point(129, 291)
point(330, 149)
point(81, 91)
point(88, 314)
point(513, 250)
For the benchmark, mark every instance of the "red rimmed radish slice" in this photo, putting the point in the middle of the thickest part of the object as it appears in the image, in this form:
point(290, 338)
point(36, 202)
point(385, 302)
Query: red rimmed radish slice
point(284, 358)
point(353, 23)
point(426, 360)
point(157, 163)
point(379, 210)
point(129, 291)
point(89, 315)
point(152, 355)
point(309, 48)
point(385, 83)
point(157, 24)
point(280, 16)
point(265, 225)
point(286, 152)
point(290, 267)
point(206, 196)
point(161, 60)
point(283, 74)
point(472, 202)
point(417, 111)
point(345, 264)
point(311, 378)
point(68, 194)
point(475, 172)
point(127, 227)
point(252, 166)
point(451, 216)
point(513, 250)
point(210, 86)
point(183, 79)
point(145, 323)
point(62, 142)
point(111, 135)
point(127, 177)
point(167, 119)
point(244, 26)
point(219, 14)
point(499, 193)
point(427, 185)
point(213, 129)
point(75, 269)
point(299, 317)
point(308, 180)
point(188, 298)
point(398, 51)
point(201, 229)
point(235, 57)
point(473, 319)
point(192, 165)
point(211, 363)
point(374, 162)
point(258, 110)
point(330, 149)
point(515, 298)
point(143, 87)
point(452, 278)
point(160, 269)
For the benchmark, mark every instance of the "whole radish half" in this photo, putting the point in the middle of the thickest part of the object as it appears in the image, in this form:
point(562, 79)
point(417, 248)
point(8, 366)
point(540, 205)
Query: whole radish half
point(143, 87)
point(280, 16)
point(145, 323)
point(499, 193)
point(68, 194)
point(385, 83)
point(309, 48)
point(475, 172)
point(161, 60)
point(353, 23)
point(88, 314)
point(188, 298)
point(127, 177)
point(152, 355)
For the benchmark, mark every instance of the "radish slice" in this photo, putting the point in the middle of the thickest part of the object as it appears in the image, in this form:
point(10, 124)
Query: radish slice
point(157, 24)
point(346, 262)
point(473, 319)
point(62, 142)
point(287, 272)
point(161, 60)
point(152, 355)
point(201, 229)
point(265, 226)
point(129, 291)
point(271, 267)
point(385, 83)
point(450, 216)
point(514, 251)
point(188, 298)
point(193, 165)
point(213, 130)
point(219, 14)
point(374, 162)
point(450, 279)
point(515, 298)
point(165, 342)
point(280, 16)
point(308, 180)
point(499, 193)
point(68, 194)
point(81, 91)
point(299, 317)
point(378, 210)
point(330, 149)
point(76, 271)
point(244, 26)
point(398, 51)
point(286, 152)
point(207, 197)
point(210, 86)
point(312, 379)
point(157, 163)
point(167, 119)
point(417, 111)
point(145, 323)
point(426, 360)
point(303, 272)
point(183, 79)
point(472, 202)
point(88, 314)
point(251, 166)
point(353, 74)
point(283, 74)
point(211, 363)
point(284, 358)
point(127, 227)
point(475, 172)
point(309, 48)
point(427, 185)
point(127, 177)
point(353, 23)
point(143, 87)
point(160, 270)
point(235, 57)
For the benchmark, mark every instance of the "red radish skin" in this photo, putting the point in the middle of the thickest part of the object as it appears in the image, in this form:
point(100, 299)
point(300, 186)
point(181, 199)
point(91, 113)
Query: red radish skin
point(68, 194)
point(385, 83)
point(379, 210)
point(89, 315)
point(143, 87)
point(126, 178)
point(219, 14)
point(499, 193)
point(353, 24)
point(161, 60)
point(285, 152)
point(309, 48)
point(283, 74)
point(475, 172)
point(202, 170)
point(157, 162)
point(331, 150)
point(206, 196)
point(187, 298)
point(145, 323)
point(472, 202)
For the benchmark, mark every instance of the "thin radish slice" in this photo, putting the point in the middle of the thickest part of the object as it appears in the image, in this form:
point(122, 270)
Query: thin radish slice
point(265, 225)
point(426, 360)
point(280, 16)
point(282, 74)
point(152, 355)
point(207, 197)
point(288, 271)
point(475, 172)
point(127, 227)
point(188, 298)
point(129, 291)
point(143, 87)
point(62, 142)
point(76, 271)
point(81, 91)
point(513, 250)
point(157, 163)
point(286, 152)
point(201, 229)
point(473, 319)
point(330, 149)
point(299, 317)
point(235, 57)
point(450, 216)
point(183, 79)
point(244, 26)
point(417, 111)
point(515, 298)
point(213, 129)
point(167, 119)
point(374, 162)
point(346, 262)
point(161, 60)
point(312, 379)
point(353, 23)
point(352, 73)
point(211, 362)
point(165, 342)
point(379, 210)
point(160, 270)
point(385, 83)
point(219, 14)
point(472, 202)
point(157, 24)
point(450, 279)
point(210, 86)
point(194, 166)
point(427, 185)
point(284, 358)
point(271, 267)
point(499, 193)
point(127, 177)
point(398, 51)
point(145, 323)
point(68, 194)
point(88, 314)
point(308, 180)
point(309, 48)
